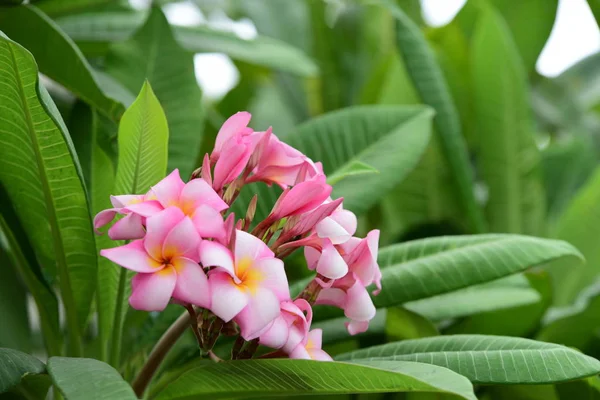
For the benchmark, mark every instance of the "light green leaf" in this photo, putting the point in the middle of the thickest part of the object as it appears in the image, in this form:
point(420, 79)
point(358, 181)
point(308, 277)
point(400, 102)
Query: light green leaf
point(504, 293)
point(143, 148)
point(263, 378)
point(355, 167)
point(576, 227)
point(153, 54)
point(64, 63)
point(40, 171)
point(509, 157)
point(94, 31)
point(429, 82)
point(85, 378)
point(489, 359)
point(428, 267)
point(14, 365)
point(371, 135)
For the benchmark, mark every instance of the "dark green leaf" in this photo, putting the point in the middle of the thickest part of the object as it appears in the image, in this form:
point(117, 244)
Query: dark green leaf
point(14, 365)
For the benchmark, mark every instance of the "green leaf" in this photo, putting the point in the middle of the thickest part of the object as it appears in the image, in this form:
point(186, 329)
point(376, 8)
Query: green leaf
point(504, 293)
point(85, 378)
point(489, 359)
point(57, 8)
point(94, 31)
point(355, 167)
point(371, 135)
point(64, 63)
point(401, 324)
point(143, 149)
point(574, 226)
point(31, 387)
point(588, 388)
point(41, 174)
point(13, 306)
point(530, 22)
point(429, 82)
point(262, 378)
point(428, 267)
point(509, 157)
point(153, 54)
point(14, 365)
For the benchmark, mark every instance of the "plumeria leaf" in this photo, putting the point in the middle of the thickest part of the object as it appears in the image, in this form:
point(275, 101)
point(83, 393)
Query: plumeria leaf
point(41, 173)
point(14, 365)
point(488, 359)
point(354, 168)
point(73, 377)
point(65, 63)
point(266, 378)
point(153, 54)
point(429, 267)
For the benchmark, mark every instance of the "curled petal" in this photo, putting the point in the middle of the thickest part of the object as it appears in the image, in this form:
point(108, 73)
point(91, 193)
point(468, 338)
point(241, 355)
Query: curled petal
point(145, 208)
point(332, 297)
point(277, 335)
point(319, 355)
point(125, 200)
point(157, 229)
point(209, 223)
point(103, 218)
point(356, 327)
point(300, 353)
point(331, 229)
point(213, 254)
point(359, 305)
point(127, 228)
point(312, 256)
point(331, 264)
point(132, 256)
point(168, 190)
point(227, 300)
point(262, 309)
point(192, 283)
point(182, 241)
point(152, 292)
point(227, 169)
point(198, 192)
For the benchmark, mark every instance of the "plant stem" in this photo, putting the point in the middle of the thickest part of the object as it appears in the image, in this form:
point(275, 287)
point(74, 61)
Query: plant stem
point(117, 333)
point(194, 325)
point(158, 353)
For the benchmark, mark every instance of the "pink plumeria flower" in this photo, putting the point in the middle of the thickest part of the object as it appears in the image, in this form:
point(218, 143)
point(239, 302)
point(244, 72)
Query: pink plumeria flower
point(338, 227)
point(166, 261)
point(290, 328)
point(361, 257)
point(310, 349)
point(325, 259)
point(248, 284)
point(236, 125)
point(132, 225)
point(236, 155)
point(350, 295)
point(302, 198)
point(196, 199)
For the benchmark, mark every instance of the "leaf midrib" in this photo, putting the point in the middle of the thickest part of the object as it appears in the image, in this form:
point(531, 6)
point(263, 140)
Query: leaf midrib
point(61, 260)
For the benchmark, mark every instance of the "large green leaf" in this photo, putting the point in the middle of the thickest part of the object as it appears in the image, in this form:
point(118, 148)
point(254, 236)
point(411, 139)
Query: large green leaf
point(263, 378)
point(143, 148)
point(576, 226)
point(429, 267)
point(14, 365)
point(530, 22)
point(489, 359)
point(15, 332)
point(389, 139)
point(429, 82)
point(153, 54)
point(509, 156)
point(93, 139)
point(94, 31)
point(57, 56)
point(85, 378)
point(40, 171)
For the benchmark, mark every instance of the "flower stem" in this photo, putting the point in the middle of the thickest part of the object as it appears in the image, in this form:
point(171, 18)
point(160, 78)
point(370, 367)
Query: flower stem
point(158, 353)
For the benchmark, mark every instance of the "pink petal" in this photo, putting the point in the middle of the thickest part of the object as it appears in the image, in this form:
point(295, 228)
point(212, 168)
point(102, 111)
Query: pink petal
point(213, 254)
point(359, 305)
point(329, 228)
point(315, 339)
point(192, 283)
point(227, 300)
point(303, 197)
point(346, 219)
point(356, 327)
point(168, 190)
point(332, 297)
point(132, 256)
point(152, 292)
point(249, 246)
point(158, 227)
point(127, 228)
point(273, 277)
point(104, 217)
point(277, 335)
point(227, 169)
point(145, 208)
point(262, 309)
point(331, 264)
point(125, 200)
point(198, 192)
point(234, 125)
point(319, 355)
point(182, 241)
point(300, 353)
point(312, 256)
point(209, 222)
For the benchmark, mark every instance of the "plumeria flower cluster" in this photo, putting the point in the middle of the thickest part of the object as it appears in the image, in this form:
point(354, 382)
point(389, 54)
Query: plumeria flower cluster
point(187, 247)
